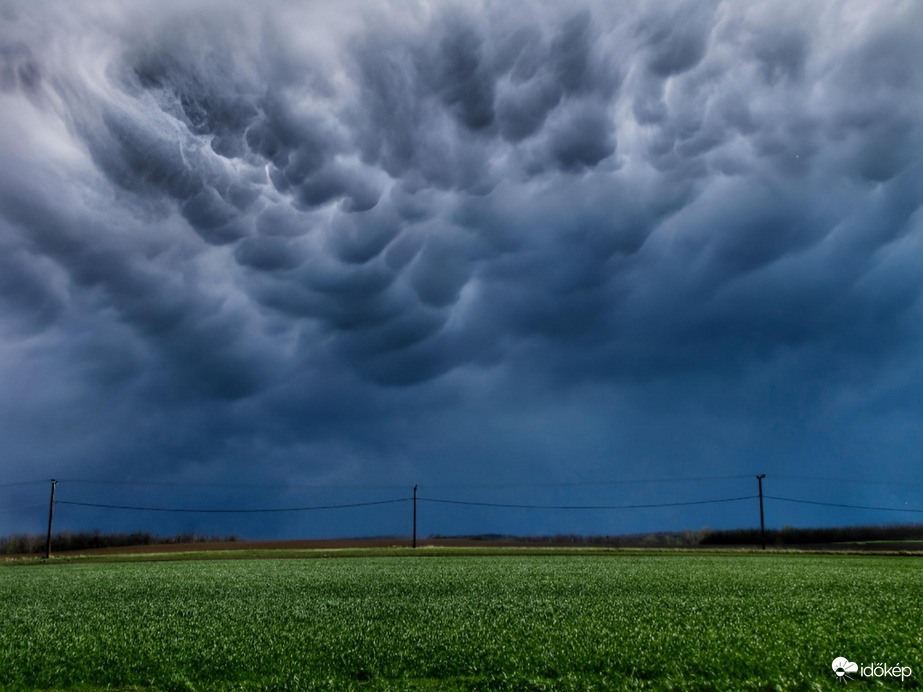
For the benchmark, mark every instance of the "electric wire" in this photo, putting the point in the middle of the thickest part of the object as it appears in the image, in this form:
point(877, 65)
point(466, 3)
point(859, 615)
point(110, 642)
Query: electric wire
point(405, 499)
point(646, 506)
point(834, 504)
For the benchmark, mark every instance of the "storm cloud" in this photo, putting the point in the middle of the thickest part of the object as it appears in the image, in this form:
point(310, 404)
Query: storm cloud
point(433, 242)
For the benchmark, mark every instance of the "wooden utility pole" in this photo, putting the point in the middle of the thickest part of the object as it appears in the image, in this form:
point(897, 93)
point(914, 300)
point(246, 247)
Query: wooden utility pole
point(50, 518)
point(414, 516)
point(759, 480)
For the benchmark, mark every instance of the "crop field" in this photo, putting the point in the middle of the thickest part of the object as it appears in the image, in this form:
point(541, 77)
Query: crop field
point(656, 621)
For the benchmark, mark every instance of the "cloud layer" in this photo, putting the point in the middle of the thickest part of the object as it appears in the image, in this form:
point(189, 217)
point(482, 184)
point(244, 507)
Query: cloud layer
point(328, 241)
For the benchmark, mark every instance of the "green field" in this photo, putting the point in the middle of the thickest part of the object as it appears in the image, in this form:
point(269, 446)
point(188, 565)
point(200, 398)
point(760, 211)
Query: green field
point(461, 622)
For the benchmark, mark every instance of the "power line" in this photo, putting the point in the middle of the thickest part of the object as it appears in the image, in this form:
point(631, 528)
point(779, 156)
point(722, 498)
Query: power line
point(231, 511)
point(833, 504)
point(512, 506)
point(385, 502)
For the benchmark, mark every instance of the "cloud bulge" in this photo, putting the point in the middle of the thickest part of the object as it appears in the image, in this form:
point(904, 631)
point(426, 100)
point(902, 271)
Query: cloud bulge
point(329, 243)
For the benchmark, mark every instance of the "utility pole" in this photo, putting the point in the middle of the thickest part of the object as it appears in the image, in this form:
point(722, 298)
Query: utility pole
point(50, 518)
point(415, 515)
point(759, 479)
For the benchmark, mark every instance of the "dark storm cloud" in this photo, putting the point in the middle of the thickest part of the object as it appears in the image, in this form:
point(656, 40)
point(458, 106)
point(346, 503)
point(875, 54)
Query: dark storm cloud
point(324, 221)
point(31, 304)
point(674, 36)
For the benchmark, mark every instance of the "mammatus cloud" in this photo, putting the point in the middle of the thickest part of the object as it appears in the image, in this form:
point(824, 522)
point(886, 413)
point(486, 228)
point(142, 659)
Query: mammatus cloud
point(283, 218)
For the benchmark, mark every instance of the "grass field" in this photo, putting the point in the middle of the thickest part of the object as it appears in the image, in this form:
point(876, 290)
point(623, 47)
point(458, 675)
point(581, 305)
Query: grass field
point(461, 622)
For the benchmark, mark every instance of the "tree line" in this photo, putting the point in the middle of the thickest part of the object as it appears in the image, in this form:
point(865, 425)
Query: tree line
point(30, 544)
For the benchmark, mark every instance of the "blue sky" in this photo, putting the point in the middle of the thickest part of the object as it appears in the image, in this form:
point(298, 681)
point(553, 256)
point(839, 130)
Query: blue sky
point(512, 253)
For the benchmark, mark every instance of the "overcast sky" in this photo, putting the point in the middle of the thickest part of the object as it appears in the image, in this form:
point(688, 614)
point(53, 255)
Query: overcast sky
point(461, 245)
